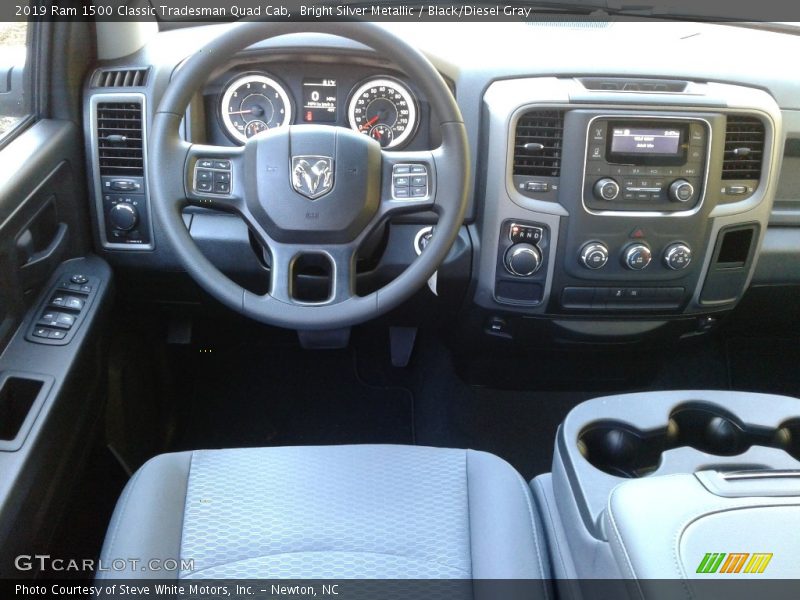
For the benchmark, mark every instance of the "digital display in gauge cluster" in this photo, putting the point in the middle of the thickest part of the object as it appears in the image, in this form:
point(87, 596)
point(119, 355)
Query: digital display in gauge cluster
point(319, 100)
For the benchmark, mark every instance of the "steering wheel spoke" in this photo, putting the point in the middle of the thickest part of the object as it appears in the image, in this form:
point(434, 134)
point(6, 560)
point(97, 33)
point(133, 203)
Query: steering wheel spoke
point(409, 182)
point(214, 177)
point(300, 273)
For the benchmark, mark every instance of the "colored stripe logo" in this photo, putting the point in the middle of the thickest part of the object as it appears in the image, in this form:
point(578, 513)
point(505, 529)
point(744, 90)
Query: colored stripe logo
point(734, 562)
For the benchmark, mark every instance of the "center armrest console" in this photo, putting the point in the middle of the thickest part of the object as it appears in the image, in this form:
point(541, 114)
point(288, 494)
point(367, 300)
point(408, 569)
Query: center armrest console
point(675, 485)
point(693, 526)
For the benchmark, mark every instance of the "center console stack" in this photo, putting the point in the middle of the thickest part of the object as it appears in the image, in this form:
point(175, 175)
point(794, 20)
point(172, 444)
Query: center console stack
point(680, 485)
point(600, 203)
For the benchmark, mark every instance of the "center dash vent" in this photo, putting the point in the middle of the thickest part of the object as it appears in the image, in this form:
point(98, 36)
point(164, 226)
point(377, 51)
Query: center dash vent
point(120, 78)
point(538, 143)
point(744, 148)
point(119, 138)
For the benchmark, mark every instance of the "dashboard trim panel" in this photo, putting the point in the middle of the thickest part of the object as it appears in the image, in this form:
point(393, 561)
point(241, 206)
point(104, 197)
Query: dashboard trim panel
point(94, 100)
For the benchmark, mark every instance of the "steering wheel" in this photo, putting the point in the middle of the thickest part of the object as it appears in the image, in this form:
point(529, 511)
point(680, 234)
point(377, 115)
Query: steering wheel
point(308, 190)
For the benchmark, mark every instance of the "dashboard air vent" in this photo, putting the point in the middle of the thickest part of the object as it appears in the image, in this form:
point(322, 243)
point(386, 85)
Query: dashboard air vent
point(613, 84)
point(120, 78)
point(538, 143)
point(119, 138)
point(744, 148)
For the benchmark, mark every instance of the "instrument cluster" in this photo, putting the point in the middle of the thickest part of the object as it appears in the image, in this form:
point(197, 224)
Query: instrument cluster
point(379, 104)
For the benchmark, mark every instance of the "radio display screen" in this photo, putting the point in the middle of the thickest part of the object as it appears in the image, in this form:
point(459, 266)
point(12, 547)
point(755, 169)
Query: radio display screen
point(647, 143)
point(640, 140)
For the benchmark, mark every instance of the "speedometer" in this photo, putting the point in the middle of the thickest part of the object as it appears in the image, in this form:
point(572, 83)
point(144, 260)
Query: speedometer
point(254, 103)
point(384, 109)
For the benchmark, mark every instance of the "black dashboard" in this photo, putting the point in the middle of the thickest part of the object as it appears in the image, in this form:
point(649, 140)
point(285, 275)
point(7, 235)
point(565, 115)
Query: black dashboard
point(601, 192)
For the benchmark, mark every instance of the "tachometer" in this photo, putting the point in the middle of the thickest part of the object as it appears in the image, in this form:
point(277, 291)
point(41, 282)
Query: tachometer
point(384, 109)
point(254, 103)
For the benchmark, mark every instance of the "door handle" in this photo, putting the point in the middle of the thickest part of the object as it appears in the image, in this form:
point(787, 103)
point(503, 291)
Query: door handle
point(38, 265)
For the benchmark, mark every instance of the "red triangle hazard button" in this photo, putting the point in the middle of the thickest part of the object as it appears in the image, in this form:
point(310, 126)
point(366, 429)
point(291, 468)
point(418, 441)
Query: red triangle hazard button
point(637, 234)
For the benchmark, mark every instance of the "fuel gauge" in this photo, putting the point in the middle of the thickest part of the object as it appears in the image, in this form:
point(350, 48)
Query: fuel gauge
point(254, 128)
point(382, 133)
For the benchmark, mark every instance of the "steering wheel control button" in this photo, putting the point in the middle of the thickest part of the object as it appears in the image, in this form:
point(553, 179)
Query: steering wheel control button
point(637, 257)
point(606, 189)
point(681, 191)
point(409, 181)
point(212, 176)
point(523, 260)
point(677, 256)
point(594, 255)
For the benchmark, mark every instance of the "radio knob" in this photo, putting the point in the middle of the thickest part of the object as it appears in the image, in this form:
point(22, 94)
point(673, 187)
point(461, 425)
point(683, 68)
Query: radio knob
point(681, 191)
point(637, 257)
point(677, 256)
point(123, 216)
point(606, 189)
point(523, 260)
point(594, 255)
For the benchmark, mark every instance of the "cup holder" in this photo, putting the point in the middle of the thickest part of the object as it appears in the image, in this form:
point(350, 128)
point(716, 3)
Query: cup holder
point(622, 450)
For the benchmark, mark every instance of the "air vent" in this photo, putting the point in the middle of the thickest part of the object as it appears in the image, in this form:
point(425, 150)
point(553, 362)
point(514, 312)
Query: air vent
point(121, 78)
point(538, 143)
point(744, 148)
point(119, 138)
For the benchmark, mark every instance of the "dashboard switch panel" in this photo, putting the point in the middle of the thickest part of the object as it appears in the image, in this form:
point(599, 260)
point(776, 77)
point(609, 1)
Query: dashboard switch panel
point(63, 310)
point(126, 217)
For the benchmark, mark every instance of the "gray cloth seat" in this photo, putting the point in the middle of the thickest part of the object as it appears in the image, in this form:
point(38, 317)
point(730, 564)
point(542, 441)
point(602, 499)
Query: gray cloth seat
point(388, 512)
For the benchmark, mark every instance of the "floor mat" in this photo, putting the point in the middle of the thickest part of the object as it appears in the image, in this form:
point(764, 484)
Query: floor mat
point(248, 391)
point(518, 426)
point(767, 365)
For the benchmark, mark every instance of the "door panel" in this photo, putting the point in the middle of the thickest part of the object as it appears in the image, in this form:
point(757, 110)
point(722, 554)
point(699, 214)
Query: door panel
point(43, 213)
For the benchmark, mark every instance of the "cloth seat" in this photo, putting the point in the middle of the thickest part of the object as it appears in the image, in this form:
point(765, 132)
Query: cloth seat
point(371, 511)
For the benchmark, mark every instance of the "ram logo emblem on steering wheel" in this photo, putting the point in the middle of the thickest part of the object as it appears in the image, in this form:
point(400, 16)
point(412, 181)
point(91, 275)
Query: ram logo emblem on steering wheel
point(312, 176)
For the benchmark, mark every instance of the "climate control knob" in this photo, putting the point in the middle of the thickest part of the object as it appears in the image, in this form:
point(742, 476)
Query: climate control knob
point(523, 260)
point(637, 257)
point(681, 191)
point(606, 189)
point(677, 256)
point(123, 216)
point(594, 255)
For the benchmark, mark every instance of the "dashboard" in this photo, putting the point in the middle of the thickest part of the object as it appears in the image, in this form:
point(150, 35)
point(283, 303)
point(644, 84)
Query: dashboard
point(607, 187)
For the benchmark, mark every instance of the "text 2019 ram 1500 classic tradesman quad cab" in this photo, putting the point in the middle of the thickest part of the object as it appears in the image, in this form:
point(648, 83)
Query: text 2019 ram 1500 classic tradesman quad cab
point(506, 302)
